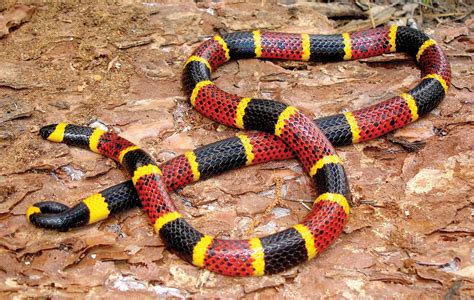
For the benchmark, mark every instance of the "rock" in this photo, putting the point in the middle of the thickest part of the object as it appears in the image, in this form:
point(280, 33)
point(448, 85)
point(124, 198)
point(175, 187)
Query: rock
point(14, 17)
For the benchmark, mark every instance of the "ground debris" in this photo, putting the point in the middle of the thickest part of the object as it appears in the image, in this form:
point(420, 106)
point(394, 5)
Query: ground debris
point(14, 17)
point(14, 75)
point(411, 222)
point(130, 44)
point(331, 10)
point(11, 109)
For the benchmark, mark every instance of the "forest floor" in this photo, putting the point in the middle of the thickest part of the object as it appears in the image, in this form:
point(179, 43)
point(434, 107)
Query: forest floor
point(410, 234)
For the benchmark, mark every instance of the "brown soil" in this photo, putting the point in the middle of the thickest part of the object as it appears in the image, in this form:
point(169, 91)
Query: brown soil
point(411, 229)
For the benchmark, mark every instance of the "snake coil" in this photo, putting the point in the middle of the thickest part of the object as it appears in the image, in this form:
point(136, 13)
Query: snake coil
point(297, 136)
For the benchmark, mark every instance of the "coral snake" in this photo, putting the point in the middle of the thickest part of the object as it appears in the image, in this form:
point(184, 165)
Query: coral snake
point(288, 133)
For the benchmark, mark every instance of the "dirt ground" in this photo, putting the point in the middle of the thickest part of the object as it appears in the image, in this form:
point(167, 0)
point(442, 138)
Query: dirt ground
point(411, 229)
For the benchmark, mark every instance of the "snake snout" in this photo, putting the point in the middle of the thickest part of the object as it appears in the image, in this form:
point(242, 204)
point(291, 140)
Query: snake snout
point(46, 131)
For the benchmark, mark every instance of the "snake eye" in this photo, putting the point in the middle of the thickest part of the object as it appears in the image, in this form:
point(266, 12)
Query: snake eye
point(46, 131)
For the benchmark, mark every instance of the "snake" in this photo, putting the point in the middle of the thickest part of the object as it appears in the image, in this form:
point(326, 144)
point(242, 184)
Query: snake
point(287, 133)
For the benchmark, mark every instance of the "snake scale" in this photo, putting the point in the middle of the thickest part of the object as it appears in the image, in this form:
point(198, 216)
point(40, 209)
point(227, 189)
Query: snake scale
point(286, 133)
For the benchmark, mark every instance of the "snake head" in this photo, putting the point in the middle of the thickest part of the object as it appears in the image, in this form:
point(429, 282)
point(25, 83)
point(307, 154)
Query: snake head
point(46, 131)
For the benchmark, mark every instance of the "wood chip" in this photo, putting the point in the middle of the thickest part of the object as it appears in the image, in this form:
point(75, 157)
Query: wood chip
point(130, 44)
point(14, 17)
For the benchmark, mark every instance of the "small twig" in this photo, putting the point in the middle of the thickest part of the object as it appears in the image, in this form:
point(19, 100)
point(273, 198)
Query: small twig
point(331, 10)
point(426, 5)
point(130, 44)
point(278, 199)
point(439, 21)
point(111, 63)
point(306, 206)
point(203, 125)
point(445, 15)
point(371, 15)
point(298, 200)
point(459, 55)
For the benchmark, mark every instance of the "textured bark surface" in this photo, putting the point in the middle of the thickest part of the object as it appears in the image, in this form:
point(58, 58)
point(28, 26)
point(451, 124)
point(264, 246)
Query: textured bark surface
point(411, 229)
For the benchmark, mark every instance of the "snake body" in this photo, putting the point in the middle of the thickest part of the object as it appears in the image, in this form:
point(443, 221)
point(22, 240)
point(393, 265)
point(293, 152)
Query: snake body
point(297, 136)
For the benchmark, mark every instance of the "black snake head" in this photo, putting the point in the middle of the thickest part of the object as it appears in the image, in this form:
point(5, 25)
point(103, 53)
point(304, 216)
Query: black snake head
point(46, 131)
